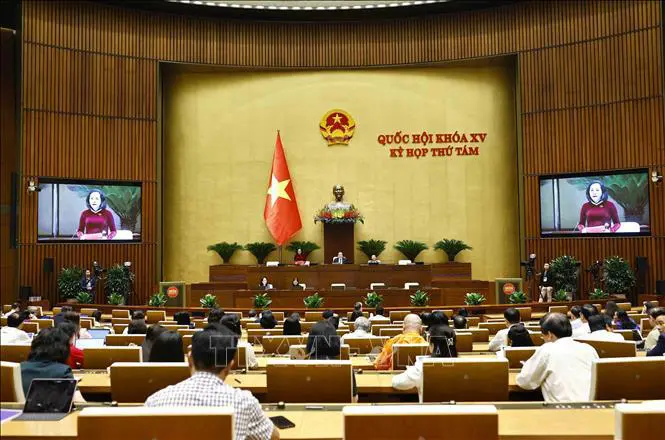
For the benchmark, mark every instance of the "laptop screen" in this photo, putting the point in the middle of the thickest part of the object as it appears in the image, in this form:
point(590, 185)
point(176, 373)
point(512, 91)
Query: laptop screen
point(99, 333)
point(89, 343)
point(50, 396)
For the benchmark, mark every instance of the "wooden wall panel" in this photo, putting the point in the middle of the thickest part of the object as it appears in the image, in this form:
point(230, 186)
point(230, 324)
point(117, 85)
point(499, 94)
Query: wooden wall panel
point(591, 84)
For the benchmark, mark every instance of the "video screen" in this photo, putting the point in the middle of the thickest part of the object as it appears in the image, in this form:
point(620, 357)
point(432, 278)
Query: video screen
point(601, 204)
point(89, 211)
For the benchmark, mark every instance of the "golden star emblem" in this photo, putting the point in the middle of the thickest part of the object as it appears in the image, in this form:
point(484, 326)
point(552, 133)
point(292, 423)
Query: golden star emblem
point(278, 189)
point(337, 118)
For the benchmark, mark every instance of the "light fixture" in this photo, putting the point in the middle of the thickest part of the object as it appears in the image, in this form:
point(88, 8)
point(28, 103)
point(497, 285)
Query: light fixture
point(656, 177)
point(33, 186)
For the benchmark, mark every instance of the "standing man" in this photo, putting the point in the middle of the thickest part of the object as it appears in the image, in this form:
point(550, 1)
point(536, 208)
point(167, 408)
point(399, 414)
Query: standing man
point(546, 288)
point(88, 282)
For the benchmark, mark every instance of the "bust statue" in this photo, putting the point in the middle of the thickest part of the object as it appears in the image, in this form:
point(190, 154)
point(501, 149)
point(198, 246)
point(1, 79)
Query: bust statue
point(338, 203)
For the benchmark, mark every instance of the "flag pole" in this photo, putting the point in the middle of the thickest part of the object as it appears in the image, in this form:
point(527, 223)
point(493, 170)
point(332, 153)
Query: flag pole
point(280, 254)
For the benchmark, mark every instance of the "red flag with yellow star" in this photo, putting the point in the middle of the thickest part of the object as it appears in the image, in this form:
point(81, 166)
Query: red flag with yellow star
point(281, 211)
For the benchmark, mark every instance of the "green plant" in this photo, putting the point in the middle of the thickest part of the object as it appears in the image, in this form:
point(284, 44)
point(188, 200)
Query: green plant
point(208, 301)
point(410, 248)
point(560, 296)
point(260, 250)
point(564, 271)
point(69, 282)
point(420, 298)
point(157, 299)
point(84, 297)
point(261, 300)
point(372, 247)
point(517, 297)
point(617, 275)
point(474, 299)
point(307, 247)
point(313, 301)
point(116, 299)
point(373, 299)
point(598, 294)
point(225, 250)
point(452, 247)
point(118, 280)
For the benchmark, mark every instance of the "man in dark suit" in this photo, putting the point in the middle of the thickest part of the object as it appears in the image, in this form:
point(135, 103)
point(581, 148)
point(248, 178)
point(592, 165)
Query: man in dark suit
point(546, 285)
point(340, 259)
point(88, 282)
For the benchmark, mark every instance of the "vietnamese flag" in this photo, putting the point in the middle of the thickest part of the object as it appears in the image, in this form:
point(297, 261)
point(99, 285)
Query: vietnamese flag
point(281, 211)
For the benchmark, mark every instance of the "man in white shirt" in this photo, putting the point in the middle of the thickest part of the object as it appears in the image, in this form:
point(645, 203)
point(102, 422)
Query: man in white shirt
point(512, 317)
point(378, 316)
point(652, 338)
point(562, 366)
point(362, 329)
point(601, 330)
point(11, 334)
point(588, 310)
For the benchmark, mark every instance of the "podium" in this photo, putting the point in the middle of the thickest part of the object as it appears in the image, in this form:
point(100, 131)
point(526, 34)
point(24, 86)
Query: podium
point(338, 237)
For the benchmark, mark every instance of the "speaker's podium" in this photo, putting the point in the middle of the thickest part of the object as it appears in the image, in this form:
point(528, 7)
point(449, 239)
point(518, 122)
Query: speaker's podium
point(174, 292)
point(338, 237)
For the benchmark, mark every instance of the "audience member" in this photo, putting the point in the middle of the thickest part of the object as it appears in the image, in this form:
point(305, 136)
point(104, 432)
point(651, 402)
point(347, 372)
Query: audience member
point(292, 327)
point(15, 308)
point(412, 328)
point(512, 317)
point(48, 359)
point(438, 318)
point(378, 315)
point(182, 318)
point(60, 316)
point(75, 360)
point(296, 316)
point(587, 311)
point(251, 313)
point(355, 315)
point(327, 314)
point(215, 315)
point(97, 320)
point(362, 329)
point(601, 329)
point(267, 320)
point(11, 334)
point(625, 322)
point(75, 319)
point(611, 308)
point(575, 316)
point(459, 322)
point(562, 366)
point(137, 327)
point(463, 312)
point(167, 348)
point(647, 306)
point(151, 336)
point(138, 314)
point(334, 320)
point(264, 284)
point(211, 359)
point(358, 306)
point(232, 322)
point(659, 348)
point(652, 338)
point(519, 336)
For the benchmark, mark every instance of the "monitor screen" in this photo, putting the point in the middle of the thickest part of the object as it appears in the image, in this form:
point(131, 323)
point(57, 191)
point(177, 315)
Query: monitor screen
point(89, 211)
point(608, 204)
point(50, 395)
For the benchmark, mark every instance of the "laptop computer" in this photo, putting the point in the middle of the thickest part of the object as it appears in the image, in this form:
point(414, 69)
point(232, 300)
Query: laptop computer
point(99, 333)
point(48, 399)
point(89, 343)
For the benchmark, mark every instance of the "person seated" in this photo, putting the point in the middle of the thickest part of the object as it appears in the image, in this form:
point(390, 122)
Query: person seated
point(299, 258)
point(211, 358)
point(362, 329)
point(97, 320)
point(264, 284)
point(442, 344)
point(167, 348)
point(625, 322)
point(296, 316)
point(652, 338)
point(323, 343)
point(358, 306)
point(296, 285)
point(512, 317)
point(60, 316)
point(647, 306)
point(659, 348)
point(292, 327)
point(412, 328)
point(601, 329)
point(334, 320)
point(575, 316)
point(137, 327)
point(75, 360)
point(373, 260)
point(378, 315)
point(151, 336)
point(438, 318)
point(15, 308)
point(562, 366)
point(611, 308)
point(251, 313)
point(340, 258)
point(587, 311)
point(182, 318)
point(459, 322)
point(267, 320)
point(355, 315)
point(48, 359)
point(11, 334)
point(138, 314)
point(75, 319)
point(232, 322)
point(215, 315)
point(519, 336)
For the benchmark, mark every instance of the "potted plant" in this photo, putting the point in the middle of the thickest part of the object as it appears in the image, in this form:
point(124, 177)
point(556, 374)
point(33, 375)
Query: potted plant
point(209, 301)
point(419, 299)
point(564, 271)
point(69, 282)
point(410, 248)
point(373, 299)
point(158, 299)
point(598, 294)
point(474, 299)
point(84, 297)
point(451, 247)
point(618, 276)
point(517, 297)
point(225, 250)
point(261, 301)
point(260, 250)
point(314, 301)
point(372, 247)
point(118, 280)
point(116, 299)
point(560, 296)
point(307, 247)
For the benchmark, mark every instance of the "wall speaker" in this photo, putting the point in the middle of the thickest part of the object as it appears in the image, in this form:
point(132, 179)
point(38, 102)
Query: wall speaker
point(49, 264)
point(24, 293)
point(660, 287)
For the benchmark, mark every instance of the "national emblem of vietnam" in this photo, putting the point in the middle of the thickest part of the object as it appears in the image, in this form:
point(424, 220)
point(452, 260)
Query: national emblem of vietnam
point(337, 127)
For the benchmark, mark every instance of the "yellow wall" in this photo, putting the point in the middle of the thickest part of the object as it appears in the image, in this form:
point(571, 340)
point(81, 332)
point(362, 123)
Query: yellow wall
point(219, 137)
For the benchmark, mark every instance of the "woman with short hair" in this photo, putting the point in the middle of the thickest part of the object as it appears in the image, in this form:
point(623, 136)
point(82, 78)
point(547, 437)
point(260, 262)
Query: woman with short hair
point(167, 348)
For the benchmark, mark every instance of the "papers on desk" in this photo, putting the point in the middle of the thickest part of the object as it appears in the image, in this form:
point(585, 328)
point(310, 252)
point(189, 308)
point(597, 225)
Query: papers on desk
point(8, 414)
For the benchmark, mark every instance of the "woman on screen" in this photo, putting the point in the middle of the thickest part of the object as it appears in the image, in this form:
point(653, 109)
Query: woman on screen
point(598, 214)
point(96, 222)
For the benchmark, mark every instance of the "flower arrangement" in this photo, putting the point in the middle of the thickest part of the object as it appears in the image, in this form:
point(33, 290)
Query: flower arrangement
point(350, 215)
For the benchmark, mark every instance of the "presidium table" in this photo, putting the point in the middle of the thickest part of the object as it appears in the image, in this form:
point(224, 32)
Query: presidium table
point(236, 285)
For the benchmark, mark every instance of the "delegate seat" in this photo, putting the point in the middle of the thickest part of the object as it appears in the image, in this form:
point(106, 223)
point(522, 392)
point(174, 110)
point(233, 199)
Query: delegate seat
point(85, 323)
point(14, 352)
point(463, 341)
point(376, 328)
point(30, 327)
point(612, 349)
point(390, 331)
point(313, 316)
point(11, 388)
point(492, 327)
point(279, 344)
point(44, 323)
point(638, 421)
point(299, 352)
point(405, 355)
point(103, 357)
point(115, 321)
point(154, 316)
point(134, 382)
point(464, 380)
point(558, 309)
point(517, 355)
point(56, 310)
point(118, 329)
point(123, 340)
point(295, 381)
point(118, 313)
point(472, 321)
point(630, 378)
point(254, 336)
point(479, 334)
point(537, 338)
point(373, 344)
point(88, 311)
point(398, 315)
point(348, 315)
point(525, 313)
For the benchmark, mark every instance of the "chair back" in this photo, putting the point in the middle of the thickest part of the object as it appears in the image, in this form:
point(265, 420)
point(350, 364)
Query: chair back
point(537, 338)
point(390, 331)
point(628, 335)
point(3, 321)
point(625, 306)
point(629, 378)
point(175, 327)
point(14, 352)
point(472, 321)
point(154, 316)
point(102, 357)
point(397, 422)
point(115, 321)
point(44, 323)
point(493, 327)
point(376, 328)
point(465, 379)
point(11, 387)
point(479, 334)
point(167, 322)
point(405, 355)
point(306, 326)
point(134, 382)
point(398, 315)
point(279, 316)
point(56, 310)
point(313, 316)
point(123, 340)
point(186, 342)
point(517, 355)
point(369, 344)
point(88, 311)
point(118, 329)
point(163, 423)
point(117, 313)
point(187, 331)
point(6, 308)
point(558, 309)
point(638, 421)
point(30, 326)
point(612, 349)
point(448, 312)
point(525, 313)
point(348, 315)
point(279, 344)
point(86, 323)
point(255, 336)
point(294, 381)
point(463, 341)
